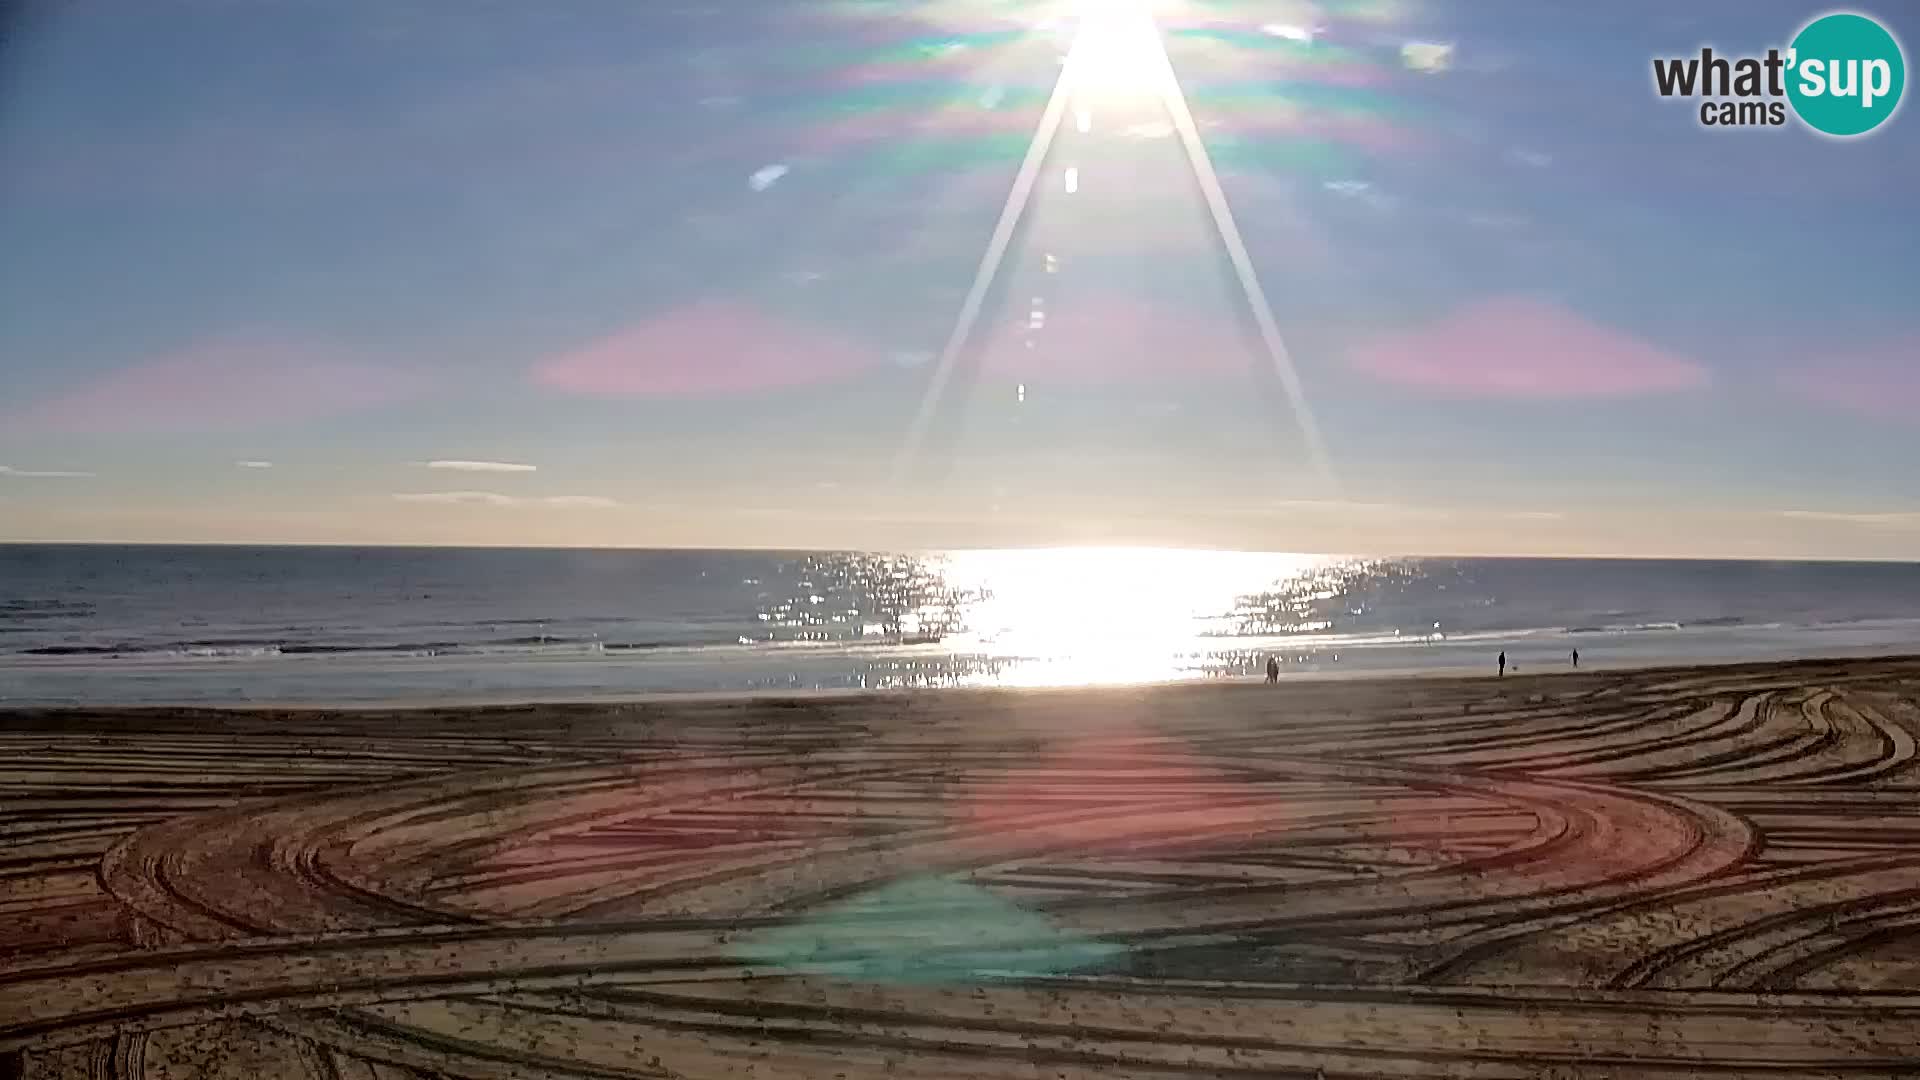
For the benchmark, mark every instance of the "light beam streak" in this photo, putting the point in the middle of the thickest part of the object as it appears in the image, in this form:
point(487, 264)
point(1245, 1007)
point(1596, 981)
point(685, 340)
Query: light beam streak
point(1276, 348)
point(1166, 82)
point(1017, 200)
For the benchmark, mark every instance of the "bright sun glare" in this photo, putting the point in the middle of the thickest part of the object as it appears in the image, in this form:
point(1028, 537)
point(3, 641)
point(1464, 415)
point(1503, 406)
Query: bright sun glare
point(1107, 615)
point(1116, 52)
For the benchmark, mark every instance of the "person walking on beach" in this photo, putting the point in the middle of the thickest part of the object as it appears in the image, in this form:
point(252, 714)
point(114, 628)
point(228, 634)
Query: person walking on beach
point(1576, 658)
point(1273, 670)
point(1503, 663)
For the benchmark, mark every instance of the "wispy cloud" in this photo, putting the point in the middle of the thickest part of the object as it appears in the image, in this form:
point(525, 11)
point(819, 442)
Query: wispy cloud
point(1346, 506)
point(42, 474)
point(1867, 520)
point(494, 498)
point(1378, 511)
point(1518, 347)
point(222, 386)
point(1361, 191)
point(487, 498)
point(762, 179)
point(479, 466)
point(1880, 381)
point(1429, 56)
point(1290, 31)
point(253, 464)
point(703, 349)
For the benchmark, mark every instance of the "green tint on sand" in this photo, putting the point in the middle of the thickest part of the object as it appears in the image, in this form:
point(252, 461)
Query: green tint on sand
point(928, 930)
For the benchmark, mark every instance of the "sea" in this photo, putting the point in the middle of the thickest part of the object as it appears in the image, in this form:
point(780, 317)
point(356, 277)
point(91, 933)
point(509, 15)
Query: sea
point(100, 624)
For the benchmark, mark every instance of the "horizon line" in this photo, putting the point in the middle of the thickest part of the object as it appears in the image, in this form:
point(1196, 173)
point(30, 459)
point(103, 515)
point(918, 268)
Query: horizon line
point(403, 545)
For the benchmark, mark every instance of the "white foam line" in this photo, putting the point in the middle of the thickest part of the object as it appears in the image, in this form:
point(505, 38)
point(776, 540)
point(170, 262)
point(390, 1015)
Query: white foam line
point(1016, 205)
point(1175, 101)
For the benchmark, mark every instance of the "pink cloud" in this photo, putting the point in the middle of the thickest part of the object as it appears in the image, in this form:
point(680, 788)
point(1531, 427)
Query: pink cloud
point(711, 348)
point(1518, 347)
point(229, 384)
point(1879, 380)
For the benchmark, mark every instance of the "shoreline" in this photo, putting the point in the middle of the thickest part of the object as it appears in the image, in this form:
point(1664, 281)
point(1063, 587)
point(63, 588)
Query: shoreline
point(1406, 678)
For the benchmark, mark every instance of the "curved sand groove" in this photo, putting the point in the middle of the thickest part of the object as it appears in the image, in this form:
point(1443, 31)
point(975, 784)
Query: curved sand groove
point(1652, 874)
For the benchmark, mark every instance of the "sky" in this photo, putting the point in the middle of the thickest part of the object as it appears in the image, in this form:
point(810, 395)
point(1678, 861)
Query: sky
point(1382, 276)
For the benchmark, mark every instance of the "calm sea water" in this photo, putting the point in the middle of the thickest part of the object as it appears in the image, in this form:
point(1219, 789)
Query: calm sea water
point(228, 624)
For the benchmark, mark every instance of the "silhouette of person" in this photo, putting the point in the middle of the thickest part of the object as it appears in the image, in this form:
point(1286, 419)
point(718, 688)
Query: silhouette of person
point(1273, 670)
point(1576, 658)
point(1503, 663)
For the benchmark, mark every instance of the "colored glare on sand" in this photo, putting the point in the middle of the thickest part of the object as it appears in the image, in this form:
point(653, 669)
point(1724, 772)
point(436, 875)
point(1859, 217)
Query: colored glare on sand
point(927, 930)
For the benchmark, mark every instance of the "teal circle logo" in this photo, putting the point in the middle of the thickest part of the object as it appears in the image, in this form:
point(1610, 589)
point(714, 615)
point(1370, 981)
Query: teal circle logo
point(1845, 74)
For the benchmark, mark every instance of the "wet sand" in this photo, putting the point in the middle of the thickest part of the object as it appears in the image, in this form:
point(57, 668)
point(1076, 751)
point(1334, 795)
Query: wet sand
point(1706, 871)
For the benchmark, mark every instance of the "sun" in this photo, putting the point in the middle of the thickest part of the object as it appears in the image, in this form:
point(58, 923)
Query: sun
point(1116, 53)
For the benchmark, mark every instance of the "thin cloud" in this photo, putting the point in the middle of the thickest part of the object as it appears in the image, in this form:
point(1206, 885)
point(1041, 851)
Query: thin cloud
point(494, 498)
point(1880, 381)
point(1346, 506)
point(479, 466)
point(487, 498)
point(1290, 32)
point(224, 385)
point(1361, 191)
point(704, 349)
point(1527, 349)
point(762, 179)
point(253, 464)
point(42, 474)
point(1870, 520)
point(1432, 57)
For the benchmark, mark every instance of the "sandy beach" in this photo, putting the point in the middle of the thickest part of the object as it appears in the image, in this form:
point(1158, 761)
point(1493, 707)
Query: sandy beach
point(1678, 872)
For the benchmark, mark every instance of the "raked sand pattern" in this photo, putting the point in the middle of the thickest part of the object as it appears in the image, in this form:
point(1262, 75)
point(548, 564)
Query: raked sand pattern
point(1695, 872)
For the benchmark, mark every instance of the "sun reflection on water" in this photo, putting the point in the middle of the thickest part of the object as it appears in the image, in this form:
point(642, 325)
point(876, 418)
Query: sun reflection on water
point(1081, 616)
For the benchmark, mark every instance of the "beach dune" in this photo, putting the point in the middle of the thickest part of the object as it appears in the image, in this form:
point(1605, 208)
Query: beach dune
point(1651, 873)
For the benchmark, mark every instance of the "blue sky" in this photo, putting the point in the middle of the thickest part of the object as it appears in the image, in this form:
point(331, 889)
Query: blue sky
point(696, 265)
